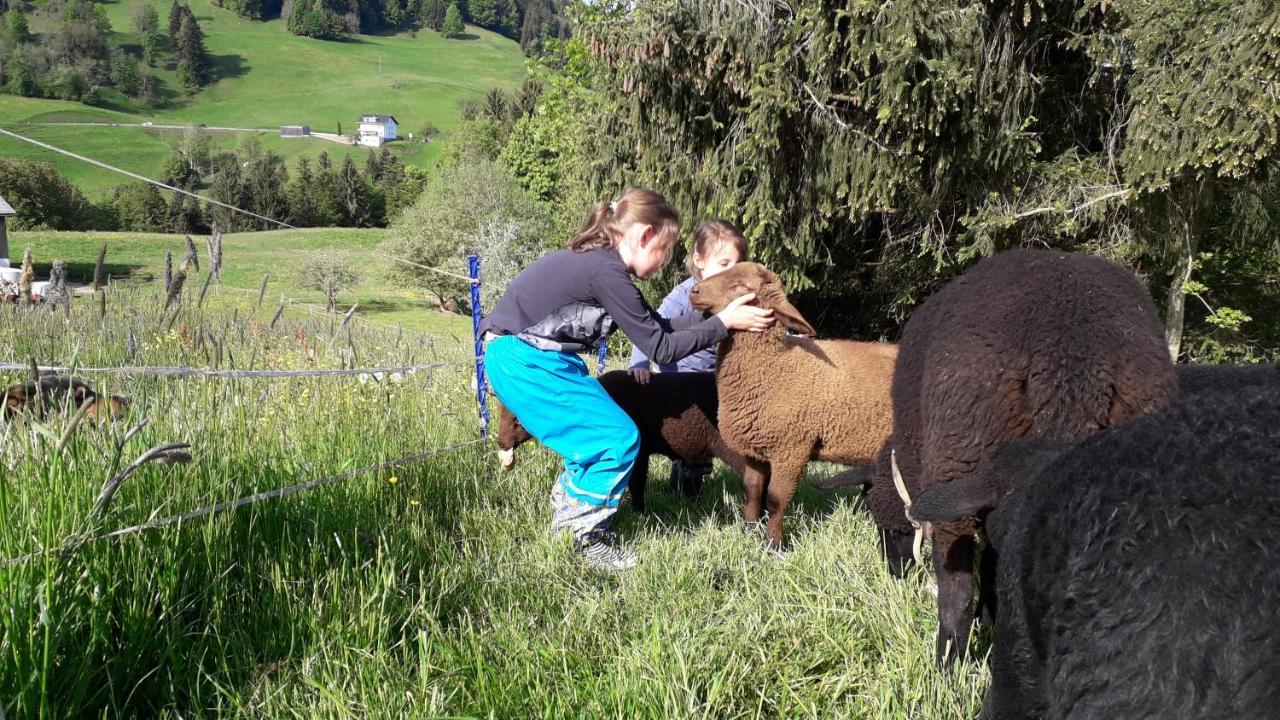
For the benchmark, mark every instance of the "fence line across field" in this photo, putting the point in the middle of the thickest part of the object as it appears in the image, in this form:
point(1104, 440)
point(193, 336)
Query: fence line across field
point(222, 507)
point(481, 384)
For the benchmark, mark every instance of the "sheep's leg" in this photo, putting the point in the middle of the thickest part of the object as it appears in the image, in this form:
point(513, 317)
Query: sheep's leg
point(639, 481)
point(953, 566)
point(783, 477)
point(1013, 693)
point(987, 604)
point(753, 482)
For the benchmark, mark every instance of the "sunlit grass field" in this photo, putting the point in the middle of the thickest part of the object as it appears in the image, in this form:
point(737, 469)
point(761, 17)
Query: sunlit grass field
point(279, 253)
point(268, 78)
point(424, 590)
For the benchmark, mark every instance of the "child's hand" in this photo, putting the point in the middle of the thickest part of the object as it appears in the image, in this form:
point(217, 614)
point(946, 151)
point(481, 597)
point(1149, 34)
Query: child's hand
point(642, 375)
point(738, 315)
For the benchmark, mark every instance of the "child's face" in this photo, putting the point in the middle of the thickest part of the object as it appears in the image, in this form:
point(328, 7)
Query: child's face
point(643, 251)
point(721, 257)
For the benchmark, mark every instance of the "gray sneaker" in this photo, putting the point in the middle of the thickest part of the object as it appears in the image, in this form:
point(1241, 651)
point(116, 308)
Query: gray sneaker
point(600, 550)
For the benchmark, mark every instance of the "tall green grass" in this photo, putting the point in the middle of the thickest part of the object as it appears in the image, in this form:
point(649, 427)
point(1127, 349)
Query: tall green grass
point(424, 591)
point(140, 256)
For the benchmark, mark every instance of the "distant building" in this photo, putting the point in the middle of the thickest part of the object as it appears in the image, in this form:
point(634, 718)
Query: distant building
point(6, 210)
point(295, 130)
point(375, 130)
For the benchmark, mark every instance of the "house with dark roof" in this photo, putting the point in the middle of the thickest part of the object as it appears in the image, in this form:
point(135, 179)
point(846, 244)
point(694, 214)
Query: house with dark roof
point(375, 130)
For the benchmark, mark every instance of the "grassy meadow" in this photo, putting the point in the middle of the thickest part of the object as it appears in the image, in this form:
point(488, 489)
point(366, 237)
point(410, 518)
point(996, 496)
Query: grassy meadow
point(247, 256)
point(267, 78)
point(144, 151)
point(424, 590)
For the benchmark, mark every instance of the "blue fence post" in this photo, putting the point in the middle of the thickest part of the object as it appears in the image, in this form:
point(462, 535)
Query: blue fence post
point(482, 389)
point(604, 349)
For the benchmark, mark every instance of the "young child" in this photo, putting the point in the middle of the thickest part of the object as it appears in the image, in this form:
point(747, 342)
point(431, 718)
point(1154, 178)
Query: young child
point(567, 302)
point(717, 246)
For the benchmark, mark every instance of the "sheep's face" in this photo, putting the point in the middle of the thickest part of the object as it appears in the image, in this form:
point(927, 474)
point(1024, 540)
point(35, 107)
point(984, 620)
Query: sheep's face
point(714, 293)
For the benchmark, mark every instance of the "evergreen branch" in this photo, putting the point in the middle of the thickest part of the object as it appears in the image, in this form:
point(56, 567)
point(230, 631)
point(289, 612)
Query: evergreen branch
point(1074, 210)
point(830, 111)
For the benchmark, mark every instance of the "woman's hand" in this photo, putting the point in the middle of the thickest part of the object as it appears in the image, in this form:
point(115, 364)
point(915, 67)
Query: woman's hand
point(642, 375)
point(738, 315)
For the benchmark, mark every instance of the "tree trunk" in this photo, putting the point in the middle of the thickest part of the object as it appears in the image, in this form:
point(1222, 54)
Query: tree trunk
point(1185, 210)
point(1175, 308)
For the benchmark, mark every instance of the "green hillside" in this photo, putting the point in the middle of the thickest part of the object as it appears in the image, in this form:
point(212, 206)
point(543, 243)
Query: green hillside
point(267, 78)
point(247, 256)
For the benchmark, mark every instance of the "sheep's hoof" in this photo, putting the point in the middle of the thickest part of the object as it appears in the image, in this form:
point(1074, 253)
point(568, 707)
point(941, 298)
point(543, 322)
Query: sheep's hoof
point(507, 458)
point(776, 547)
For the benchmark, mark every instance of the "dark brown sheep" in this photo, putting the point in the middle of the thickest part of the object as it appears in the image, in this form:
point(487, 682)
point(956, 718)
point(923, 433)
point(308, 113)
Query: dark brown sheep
point(675, 414)
point(1027, 344)
point(54, 390)
point(1196, 380)
point(786, 400)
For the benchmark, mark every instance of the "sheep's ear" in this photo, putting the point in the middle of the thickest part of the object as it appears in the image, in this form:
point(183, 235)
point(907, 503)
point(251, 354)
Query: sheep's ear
point(791, 318)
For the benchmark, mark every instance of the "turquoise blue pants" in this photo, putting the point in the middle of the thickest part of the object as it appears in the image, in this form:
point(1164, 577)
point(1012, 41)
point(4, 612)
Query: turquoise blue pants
point(567, 410)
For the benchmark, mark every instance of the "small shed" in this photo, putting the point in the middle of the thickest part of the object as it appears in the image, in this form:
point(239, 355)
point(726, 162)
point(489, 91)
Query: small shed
point(374, 130)
point(295, 130)
point(6, 210)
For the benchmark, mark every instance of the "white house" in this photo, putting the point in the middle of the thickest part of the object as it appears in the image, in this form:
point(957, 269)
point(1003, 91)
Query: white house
point(376, 130)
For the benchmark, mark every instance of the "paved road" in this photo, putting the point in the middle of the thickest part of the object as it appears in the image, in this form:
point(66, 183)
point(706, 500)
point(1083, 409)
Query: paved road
point(340, 139)
point(153, 126)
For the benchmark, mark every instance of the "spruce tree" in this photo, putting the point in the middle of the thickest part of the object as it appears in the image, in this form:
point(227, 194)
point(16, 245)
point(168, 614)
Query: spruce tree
point(194, 67)
point(265, 182)
point(228, 187)
point(302, 209)
point(373, 167)
point(177, 218)
point(175, 19)
point(353, 195)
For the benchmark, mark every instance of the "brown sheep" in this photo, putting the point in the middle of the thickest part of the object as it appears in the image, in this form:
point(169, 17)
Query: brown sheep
point(787, 400)
point(54, 390)
point(675, 414)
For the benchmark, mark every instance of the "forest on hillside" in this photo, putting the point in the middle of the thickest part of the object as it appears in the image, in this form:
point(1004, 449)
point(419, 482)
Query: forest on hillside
point(531, 22)
point(872, 151)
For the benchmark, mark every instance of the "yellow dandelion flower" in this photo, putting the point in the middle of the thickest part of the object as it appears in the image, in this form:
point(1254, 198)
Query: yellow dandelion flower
point(392, 480)
point(414, 503)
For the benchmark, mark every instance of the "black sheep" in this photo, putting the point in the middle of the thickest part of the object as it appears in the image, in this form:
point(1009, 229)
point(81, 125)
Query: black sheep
point(1027, 344)
point(1140, 572)
point(675, 414)
point(1199, 379)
